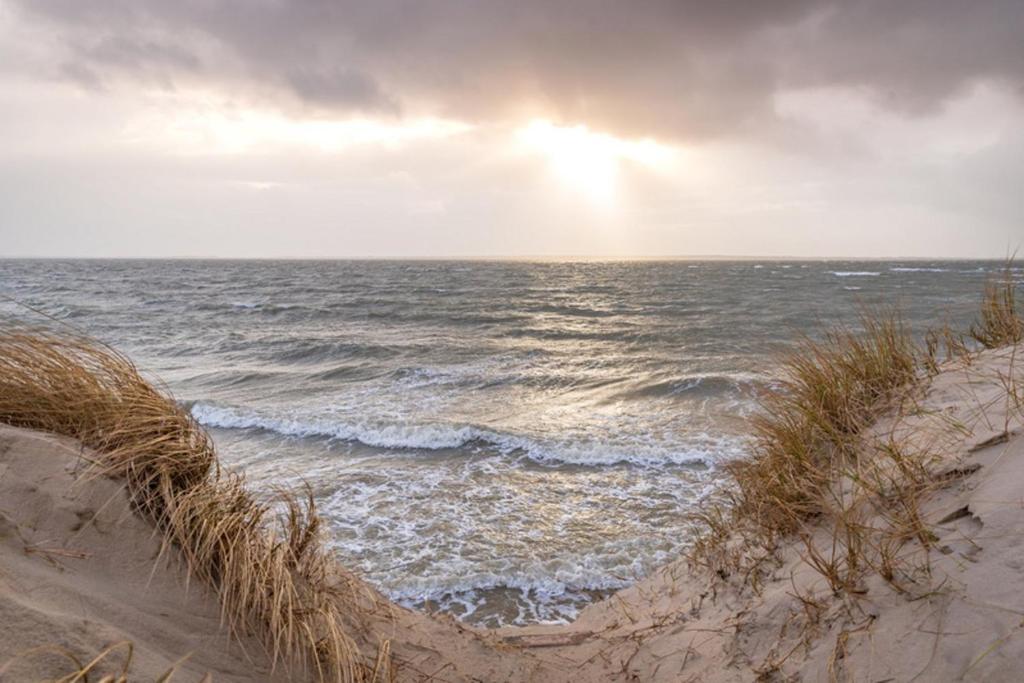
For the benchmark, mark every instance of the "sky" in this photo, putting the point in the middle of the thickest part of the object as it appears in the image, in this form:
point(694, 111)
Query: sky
point(534, 128)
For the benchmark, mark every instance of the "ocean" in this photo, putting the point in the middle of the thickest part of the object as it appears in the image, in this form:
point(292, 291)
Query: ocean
point(501, 441)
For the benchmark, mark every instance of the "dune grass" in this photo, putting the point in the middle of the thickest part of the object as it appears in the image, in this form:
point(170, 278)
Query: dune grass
point(852, 502)
point(269, 568)
point(808, 427)
point(1001, 322)
point(805, 436)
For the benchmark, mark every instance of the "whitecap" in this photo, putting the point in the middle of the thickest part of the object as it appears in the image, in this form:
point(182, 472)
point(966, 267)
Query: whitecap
point(902, 269)
point(412, 436)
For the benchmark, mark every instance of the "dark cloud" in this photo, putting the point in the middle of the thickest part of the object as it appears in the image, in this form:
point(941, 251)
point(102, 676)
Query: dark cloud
point(670, 68)
point(341, 88)
point(128, 52)
point(79, 73)
point(92, 62)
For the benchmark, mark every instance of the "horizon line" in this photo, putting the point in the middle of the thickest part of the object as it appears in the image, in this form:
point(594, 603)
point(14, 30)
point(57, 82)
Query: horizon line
point(520, 258)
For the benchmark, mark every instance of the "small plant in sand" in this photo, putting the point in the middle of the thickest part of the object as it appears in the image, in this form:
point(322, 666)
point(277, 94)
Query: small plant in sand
point(268, 567)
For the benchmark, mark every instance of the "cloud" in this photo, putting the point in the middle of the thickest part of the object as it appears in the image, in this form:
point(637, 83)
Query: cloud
point(343, 88)
point(679, 70)
point(130, 52)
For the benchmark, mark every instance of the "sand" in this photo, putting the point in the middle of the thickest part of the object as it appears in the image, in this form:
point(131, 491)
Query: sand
point(77, 570)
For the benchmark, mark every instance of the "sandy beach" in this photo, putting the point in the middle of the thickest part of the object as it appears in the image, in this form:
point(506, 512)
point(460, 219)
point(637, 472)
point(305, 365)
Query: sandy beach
point(82, 571)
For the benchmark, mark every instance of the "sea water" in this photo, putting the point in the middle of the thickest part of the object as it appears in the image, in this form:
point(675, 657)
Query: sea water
point(502, 441)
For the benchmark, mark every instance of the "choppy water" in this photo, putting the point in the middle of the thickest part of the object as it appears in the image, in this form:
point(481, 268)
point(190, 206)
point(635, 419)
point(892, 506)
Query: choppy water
point(502, 441)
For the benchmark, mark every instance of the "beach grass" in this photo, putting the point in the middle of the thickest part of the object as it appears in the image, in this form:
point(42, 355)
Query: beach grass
point(264, 559)
point(1000, 323)
point(852, 501)
point(807, 437)
point(808, 426)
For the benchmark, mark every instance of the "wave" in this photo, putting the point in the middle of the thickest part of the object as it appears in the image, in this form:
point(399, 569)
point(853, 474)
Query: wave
point(536, 601)
point(575, 311)
point(254, 307)
point(348, 373)
point(558, 583)
point(310, 351)
point(435, 437)
point(238, 378)
point(698, 386)
point(632, 334)
point(902, 269)
point(427, 437)
point(533, 592)
point(855, 273)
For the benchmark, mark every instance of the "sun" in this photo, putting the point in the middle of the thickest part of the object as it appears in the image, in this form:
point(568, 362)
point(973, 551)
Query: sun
point(587, 161)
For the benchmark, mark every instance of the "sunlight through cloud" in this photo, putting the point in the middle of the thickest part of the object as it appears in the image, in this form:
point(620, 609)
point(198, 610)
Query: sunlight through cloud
point(588, 161)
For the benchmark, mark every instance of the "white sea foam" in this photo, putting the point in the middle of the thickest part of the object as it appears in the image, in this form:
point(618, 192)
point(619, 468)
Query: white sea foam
point(428, 437)
point(449, 571)
point(855, 273)
point(540, 599)
point(442, 436)
point(902, 269)
point(538, 579)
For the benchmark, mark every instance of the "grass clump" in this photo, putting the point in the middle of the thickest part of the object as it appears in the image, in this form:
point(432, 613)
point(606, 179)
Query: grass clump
point(807, 431)
point(819, 473)
point(1001, 322)
point(269, 568)
point(807, 442)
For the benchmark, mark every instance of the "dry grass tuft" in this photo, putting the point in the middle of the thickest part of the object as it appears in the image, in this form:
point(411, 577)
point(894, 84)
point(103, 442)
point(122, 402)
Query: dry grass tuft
point(809, 426)
point(821, 474)
point(1001, 323)
point(806, 476)
point(270, 570)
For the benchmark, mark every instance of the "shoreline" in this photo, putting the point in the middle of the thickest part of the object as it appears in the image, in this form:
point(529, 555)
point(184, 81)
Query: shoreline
point(672, 623)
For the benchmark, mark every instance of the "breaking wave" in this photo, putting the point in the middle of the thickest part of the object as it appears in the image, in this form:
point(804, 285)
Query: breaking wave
point(433, 437)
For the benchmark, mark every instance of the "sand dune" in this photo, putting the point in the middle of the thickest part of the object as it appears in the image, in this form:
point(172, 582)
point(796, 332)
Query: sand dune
point(78, 570)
